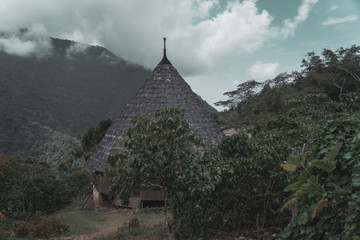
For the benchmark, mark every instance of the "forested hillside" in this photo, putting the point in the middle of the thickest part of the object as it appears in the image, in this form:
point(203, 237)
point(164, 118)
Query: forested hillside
point(47, 102)
point(324, 80)
point(292, 171)
point(307, 126)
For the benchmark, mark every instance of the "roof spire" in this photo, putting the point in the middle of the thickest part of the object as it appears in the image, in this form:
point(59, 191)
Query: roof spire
point(164, 59)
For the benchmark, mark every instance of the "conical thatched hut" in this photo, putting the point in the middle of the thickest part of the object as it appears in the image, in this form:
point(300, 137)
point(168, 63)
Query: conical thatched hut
point(164, 88)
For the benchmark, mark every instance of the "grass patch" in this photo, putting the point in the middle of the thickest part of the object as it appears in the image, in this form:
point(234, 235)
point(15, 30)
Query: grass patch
point(134, 229)
point(86, 222)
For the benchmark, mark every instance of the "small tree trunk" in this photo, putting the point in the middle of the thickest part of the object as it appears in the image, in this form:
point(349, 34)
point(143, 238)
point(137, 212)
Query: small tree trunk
point(167, 222)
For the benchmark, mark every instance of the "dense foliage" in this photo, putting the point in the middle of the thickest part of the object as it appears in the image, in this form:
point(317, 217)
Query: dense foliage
point(47, 227)
point(316, 113)
point(210, 190)
point(90, 139)
point(46, 103)
point(326, 203)
point(331, 74)
point(300, 153)
point(293, 171)
point(156, 151)
point(239, 187)
point(31, 188)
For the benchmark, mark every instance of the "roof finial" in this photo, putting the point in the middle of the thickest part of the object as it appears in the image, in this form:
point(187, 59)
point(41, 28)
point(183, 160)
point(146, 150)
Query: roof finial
point(164, 60)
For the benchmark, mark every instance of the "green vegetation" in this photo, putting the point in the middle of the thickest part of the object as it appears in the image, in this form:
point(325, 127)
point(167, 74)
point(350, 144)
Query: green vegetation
point(46, 103)
point(210, 190)
point(299, 123)
point(112, 224)
point(31, 189)
point(156, 152)
point(326, 203)
point(90, 138)
point(292, 173)
point(47, 227)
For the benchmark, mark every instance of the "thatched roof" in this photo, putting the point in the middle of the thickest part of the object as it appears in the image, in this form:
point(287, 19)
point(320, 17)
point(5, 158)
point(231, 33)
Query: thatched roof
point(164, 88)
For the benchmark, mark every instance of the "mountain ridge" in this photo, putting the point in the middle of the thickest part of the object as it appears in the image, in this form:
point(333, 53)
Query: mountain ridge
point(75, 85)
point(47, 100)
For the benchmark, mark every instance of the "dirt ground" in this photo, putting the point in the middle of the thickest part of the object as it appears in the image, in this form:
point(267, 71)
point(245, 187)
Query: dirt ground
point(94, 235)
point(90, 224)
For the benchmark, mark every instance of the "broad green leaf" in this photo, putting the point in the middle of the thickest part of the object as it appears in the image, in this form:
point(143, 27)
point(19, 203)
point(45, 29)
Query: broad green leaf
point(358, 136)
point(348, 155)
point(340, 136)
point(288, 167)
point(329, 136)
point(336, 190)
point(332, 128)
point(296, 160)
point(306, 188)
point(294, 186)
point(324, 164)
point(355, 176)
point(334, 152)
point(319, 207)
point(314, 179)
point(291, 205)
point(347, 128)
point(303, 176)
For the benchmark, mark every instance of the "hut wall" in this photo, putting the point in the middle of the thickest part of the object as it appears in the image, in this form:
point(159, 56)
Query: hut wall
point(97, 197)
point(151, 195)
point(134, 202)
point(99, 184)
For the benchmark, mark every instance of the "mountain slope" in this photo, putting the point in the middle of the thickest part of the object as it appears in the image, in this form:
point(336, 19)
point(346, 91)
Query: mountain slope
point(46, 103)
point(60, 94)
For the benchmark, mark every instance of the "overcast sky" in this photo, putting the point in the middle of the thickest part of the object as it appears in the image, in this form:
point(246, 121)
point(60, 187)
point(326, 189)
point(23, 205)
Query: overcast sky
point(214, 44)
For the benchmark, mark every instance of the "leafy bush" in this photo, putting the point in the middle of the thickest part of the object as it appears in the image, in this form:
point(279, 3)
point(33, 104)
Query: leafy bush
point(249, 194)
point(29, 186)
point(157, 155)
point(49, 226)
point(22, 229)
point(219, 186)
point(325, 204)
point(77, 183)
point(90, 138)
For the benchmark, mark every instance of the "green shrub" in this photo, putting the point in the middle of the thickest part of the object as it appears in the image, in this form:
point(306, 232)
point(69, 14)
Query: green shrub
point(22, 229)
point(49, 226)
point(325, 201)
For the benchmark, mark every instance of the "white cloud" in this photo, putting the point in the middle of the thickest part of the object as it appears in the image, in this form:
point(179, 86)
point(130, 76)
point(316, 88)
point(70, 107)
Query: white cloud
point(332, 21)
point(134, 29)
point(236, 82)
point(290, 25)
point(202, 8)
point(26, 42)
point(334, 7)
point(75, 49)
point(15, 46)
point(262, 71)
point(240, 28)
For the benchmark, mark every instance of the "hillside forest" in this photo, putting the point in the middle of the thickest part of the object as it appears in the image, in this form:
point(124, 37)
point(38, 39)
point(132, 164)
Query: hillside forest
point(46, 103)
point(291, 171)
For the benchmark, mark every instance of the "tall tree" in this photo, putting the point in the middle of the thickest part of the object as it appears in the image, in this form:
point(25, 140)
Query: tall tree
point(336, 71)
point(91, 137)
point(157, 155)
point(243, 92)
